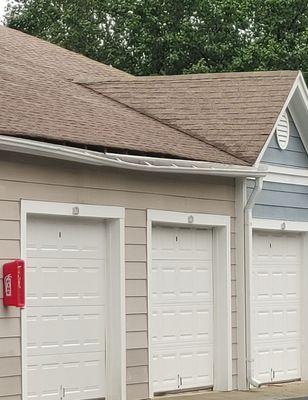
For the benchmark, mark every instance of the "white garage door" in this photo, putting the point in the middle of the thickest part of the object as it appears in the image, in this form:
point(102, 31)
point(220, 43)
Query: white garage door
point(276, 306)
point(65, 322)
point(182, 309)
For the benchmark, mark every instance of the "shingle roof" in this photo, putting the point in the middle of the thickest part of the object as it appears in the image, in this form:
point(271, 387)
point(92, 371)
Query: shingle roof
point(40, 100)
point(235, 112)
point(46, 94)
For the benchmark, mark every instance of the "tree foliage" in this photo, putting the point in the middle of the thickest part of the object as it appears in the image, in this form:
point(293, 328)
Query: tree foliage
point(146, 37)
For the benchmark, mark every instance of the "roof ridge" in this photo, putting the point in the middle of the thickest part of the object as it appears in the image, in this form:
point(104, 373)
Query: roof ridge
point(219, 75)
point(72, 53)
point(149, 115)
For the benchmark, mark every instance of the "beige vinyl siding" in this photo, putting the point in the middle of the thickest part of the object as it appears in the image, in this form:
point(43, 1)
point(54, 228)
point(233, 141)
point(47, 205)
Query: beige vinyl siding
point(51, 180)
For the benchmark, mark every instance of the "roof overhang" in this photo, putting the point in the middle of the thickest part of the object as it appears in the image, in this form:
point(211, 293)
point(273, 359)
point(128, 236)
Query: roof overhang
point(130, 162)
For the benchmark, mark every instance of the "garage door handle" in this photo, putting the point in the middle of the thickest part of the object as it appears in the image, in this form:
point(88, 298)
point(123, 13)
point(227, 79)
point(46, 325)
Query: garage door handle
point(63, 392)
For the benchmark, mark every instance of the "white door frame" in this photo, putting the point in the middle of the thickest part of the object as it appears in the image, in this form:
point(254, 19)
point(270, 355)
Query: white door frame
point(221, 284)
point(298, 227)
point(115, 335)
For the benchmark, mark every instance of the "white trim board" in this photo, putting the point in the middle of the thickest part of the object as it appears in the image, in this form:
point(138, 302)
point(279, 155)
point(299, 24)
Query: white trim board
point(279, 225)
point(222, 286)
point(116, 330)
point(240, 203)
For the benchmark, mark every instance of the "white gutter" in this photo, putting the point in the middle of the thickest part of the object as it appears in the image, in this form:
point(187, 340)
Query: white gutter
point(248, 270)
point(139, 163)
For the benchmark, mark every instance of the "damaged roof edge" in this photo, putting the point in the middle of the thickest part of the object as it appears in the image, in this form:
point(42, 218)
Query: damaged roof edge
point(130, 162)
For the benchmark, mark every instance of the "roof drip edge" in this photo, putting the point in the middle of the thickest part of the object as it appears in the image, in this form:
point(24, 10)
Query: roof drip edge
point(130, 162)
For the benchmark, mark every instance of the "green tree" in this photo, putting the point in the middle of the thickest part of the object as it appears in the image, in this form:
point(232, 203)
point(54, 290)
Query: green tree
point(146, 37)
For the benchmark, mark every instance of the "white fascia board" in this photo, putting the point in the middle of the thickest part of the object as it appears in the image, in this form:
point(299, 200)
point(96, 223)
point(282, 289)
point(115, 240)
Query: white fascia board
point(291, 176)
point(297, 83)
point(137, 163)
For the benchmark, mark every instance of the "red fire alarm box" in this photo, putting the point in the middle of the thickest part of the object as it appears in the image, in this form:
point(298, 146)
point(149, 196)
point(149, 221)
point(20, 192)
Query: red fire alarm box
point(14, 283)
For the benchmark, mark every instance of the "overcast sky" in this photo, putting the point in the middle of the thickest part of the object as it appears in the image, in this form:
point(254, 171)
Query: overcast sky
point(2, 5)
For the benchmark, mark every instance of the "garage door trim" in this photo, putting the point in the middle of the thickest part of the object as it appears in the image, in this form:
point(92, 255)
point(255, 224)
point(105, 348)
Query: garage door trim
point(221, 283)
point(115, 341)
point(299, 227)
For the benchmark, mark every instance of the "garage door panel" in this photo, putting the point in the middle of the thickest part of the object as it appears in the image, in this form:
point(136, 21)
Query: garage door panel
point(293, 354)
point(54, 282)
point(84, 376)
point(182, 324)
point(276, 322)
point(261, 285)
point(273, 284)
point(65, 330)
point(262, 363)
point(177, 279)
point(286, 361)
point(262, 324)
point(64, 238)
point(181, 243)
point(181, 308)
point(292, 284)
point(65, 315)
point(276, 305)
point(196, 367)
point(164, 370)
point(192, 363)
point(292, 322)
point(80, 376)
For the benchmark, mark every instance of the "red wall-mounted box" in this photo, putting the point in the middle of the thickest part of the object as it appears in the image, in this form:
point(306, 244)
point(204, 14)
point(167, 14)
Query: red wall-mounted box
point(14, 284)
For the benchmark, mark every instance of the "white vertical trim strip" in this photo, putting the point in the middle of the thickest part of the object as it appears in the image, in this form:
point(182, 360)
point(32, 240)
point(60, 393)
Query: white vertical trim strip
point(149, 269)
point(240, 202)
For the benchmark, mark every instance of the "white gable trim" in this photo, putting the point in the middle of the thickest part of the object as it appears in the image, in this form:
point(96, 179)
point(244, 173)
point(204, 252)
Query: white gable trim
point(298, 108)
point(298, 96)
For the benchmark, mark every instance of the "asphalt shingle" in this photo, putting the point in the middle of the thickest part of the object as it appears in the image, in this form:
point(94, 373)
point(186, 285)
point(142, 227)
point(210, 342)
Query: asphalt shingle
point(40, 99)
point(235, 112)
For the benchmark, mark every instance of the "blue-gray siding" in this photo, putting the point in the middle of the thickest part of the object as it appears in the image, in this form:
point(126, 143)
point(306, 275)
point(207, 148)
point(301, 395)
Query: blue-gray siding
point(295, 155)
point(281, 201)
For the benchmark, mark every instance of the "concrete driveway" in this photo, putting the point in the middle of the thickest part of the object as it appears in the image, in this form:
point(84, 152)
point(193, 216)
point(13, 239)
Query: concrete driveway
point(296, 390)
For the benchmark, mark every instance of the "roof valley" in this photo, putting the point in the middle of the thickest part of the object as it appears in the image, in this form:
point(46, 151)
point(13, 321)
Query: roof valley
point(149, 115)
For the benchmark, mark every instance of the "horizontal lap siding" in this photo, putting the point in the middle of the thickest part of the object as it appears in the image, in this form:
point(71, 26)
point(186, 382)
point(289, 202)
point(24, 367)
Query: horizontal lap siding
point(63, 182)
point(295, 155)
point(278, 200)
point(281, 201)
